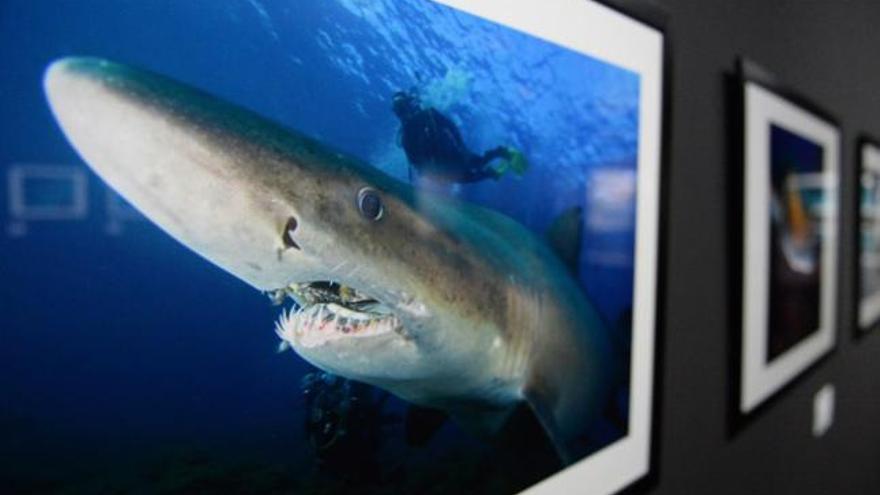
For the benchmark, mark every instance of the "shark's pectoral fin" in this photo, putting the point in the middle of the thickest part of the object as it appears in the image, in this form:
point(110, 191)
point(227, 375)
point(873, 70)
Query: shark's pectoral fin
point(422, 423)
point(564, 236)
point(523, 434)
point(481, 421)
point(545, 418)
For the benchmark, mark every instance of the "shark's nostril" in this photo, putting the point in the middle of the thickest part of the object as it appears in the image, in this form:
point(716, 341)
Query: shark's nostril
point(287, 235)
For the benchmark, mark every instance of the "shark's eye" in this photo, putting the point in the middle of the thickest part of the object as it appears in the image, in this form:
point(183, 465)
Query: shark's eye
point(370, 204)
point(287, 235)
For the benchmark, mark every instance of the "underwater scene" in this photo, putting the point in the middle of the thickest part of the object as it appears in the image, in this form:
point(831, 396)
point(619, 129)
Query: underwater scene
point(798, 192)
point(869, 236)
point(335, 246)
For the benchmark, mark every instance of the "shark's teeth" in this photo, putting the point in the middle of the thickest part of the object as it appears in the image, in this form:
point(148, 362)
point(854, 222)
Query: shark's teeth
point(344, 312)
point(331, 311)
point(285, 327)
point(323, 323)
point(276, 296)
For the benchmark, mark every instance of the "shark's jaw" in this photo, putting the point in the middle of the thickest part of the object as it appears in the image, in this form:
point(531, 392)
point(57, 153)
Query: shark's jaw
point(345, 331)
point(325, 312)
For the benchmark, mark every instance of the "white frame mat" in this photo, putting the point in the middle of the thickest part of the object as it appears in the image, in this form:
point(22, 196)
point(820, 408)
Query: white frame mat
point(759, 378)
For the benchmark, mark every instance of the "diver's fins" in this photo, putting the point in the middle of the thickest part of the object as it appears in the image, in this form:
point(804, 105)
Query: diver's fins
point(545, 417)
point(518, 162)
point(514, 161)
point(422, 423)
point(564, 236)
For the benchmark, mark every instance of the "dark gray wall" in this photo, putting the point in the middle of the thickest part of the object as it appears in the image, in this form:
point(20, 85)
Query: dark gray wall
point(828, 50)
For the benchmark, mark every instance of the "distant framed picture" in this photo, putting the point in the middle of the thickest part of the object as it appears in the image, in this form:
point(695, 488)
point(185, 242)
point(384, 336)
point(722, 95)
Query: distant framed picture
point(44, 192)
point(868, 241)
point(790, 155)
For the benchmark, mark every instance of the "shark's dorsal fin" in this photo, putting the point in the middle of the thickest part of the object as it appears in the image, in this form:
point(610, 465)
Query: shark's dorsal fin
point(564, 236)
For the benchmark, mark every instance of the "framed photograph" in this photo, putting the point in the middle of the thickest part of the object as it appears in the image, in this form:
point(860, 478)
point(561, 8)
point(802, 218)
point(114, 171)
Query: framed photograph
point(868, 236)
point(789, 206)
point(44, 192)
point(458, 213)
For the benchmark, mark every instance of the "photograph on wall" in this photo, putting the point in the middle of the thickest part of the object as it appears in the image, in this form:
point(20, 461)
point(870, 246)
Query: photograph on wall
point(380, 243)
point(868, 274)
point(791, 169)
point(797, 199)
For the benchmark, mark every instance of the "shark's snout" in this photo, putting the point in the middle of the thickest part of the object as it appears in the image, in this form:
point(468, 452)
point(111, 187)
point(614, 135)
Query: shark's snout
point(170, 151)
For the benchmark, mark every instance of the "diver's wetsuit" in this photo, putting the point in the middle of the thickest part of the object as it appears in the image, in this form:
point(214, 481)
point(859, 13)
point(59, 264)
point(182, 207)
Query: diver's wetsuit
point(435, 148)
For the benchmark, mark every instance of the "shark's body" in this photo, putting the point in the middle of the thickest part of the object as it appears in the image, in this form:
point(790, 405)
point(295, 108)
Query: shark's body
point(443, 303)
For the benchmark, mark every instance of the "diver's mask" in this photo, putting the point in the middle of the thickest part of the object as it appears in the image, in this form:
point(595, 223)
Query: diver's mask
point(405, 104)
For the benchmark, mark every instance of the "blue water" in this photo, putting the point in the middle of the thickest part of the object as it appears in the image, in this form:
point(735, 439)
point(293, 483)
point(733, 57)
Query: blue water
point(126, 357)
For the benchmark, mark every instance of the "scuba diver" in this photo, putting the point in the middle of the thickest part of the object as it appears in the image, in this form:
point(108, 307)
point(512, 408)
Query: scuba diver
point(435, 148)
point(343, 423)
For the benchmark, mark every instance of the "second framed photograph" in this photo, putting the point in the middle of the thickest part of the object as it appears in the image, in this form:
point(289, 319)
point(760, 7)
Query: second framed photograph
point(868, 272)
point(791, 164)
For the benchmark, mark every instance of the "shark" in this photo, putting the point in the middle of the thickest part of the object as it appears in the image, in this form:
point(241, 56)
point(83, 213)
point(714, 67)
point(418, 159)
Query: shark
point(445, 304)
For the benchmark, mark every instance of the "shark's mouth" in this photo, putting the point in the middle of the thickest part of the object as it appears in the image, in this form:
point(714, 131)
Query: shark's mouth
point(324, 312)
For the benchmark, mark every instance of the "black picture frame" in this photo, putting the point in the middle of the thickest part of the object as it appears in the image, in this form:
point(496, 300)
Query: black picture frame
point(747, 73)
point(635, 33)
